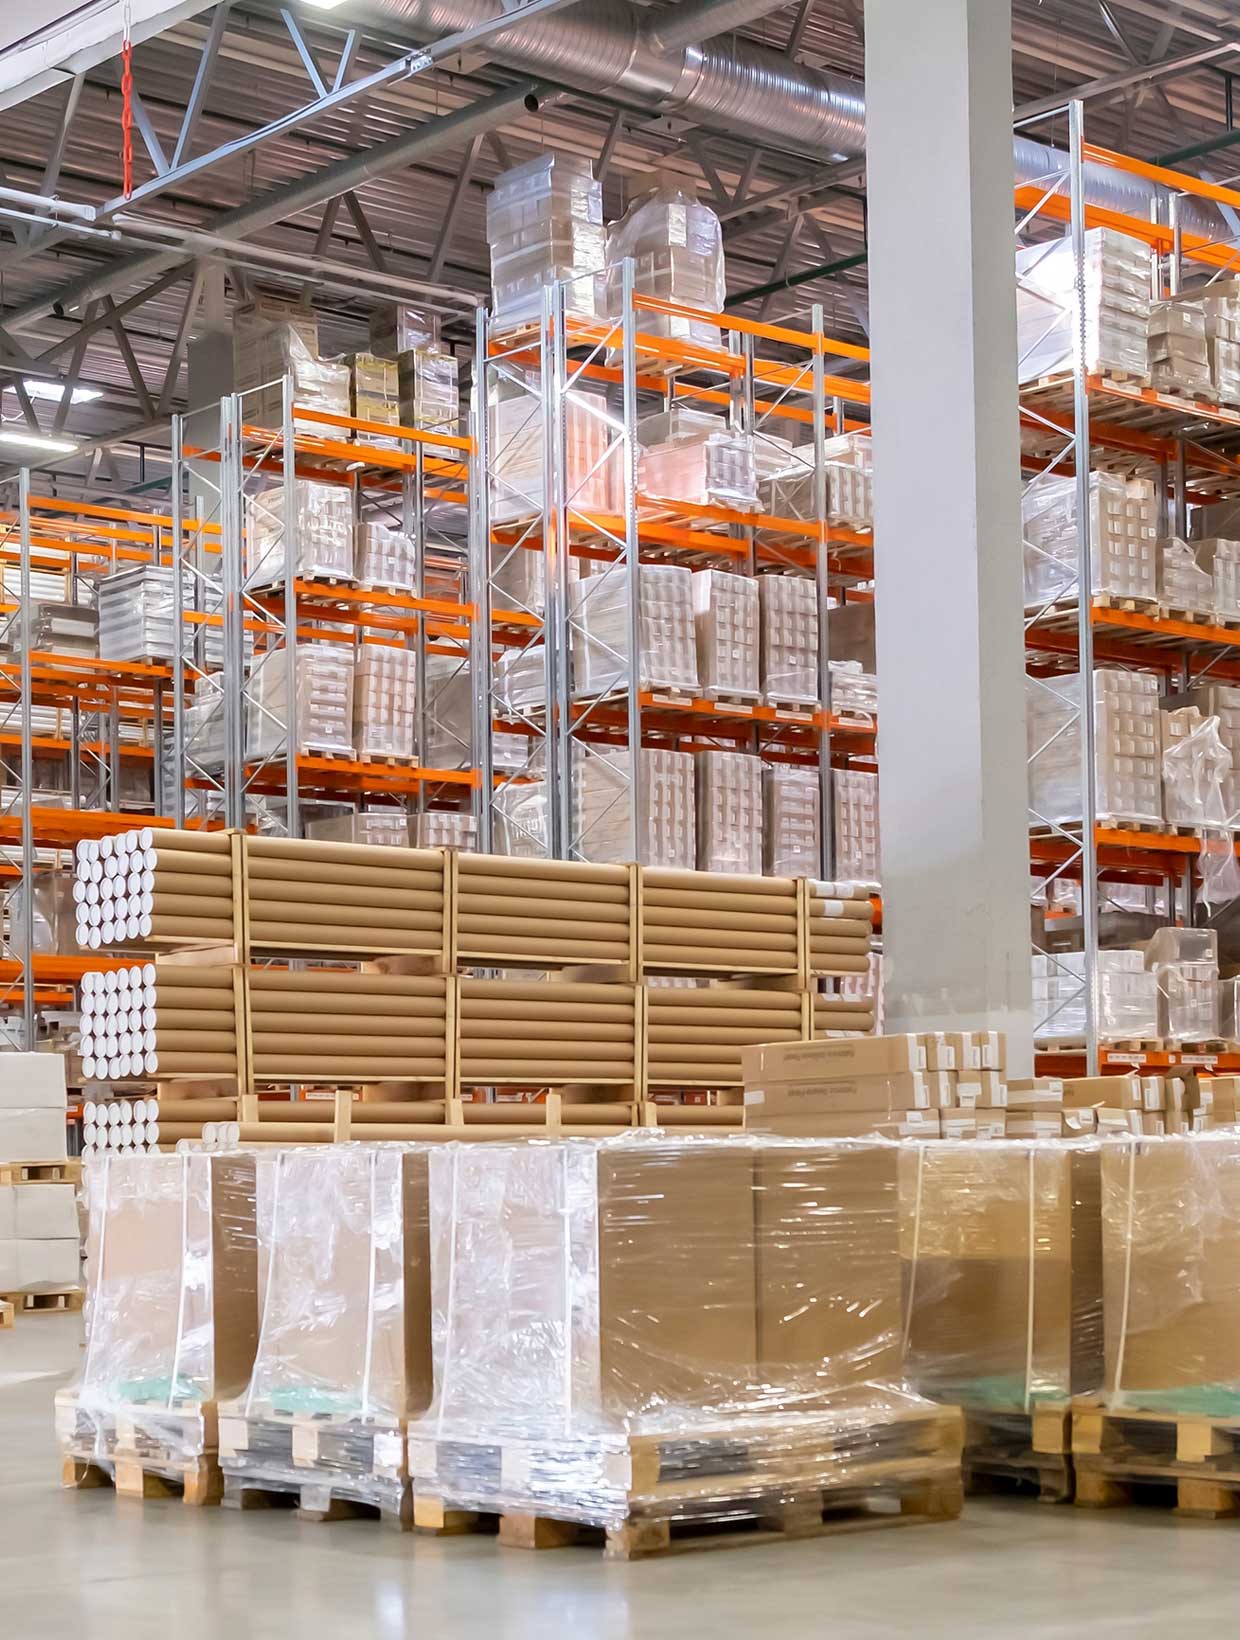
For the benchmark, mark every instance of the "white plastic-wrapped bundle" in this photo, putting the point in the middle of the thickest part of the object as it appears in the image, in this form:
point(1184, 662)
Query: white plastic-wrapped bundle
point(791, 811)
point(1197, 769)
point(384, 557)
point(854, 693)
point(384, 705)
point(1127, 746)
point(63, 628)
point(1184, 583)
point(322, 533)
point(374, 397)
point(544, 225)
point(599, 635)
point(428, 383)
point(1222, 559)
point(271, 341)
point(449, 713)
point(726, 622)
point(694, 457)
point(1220, 702)
point(1184, 962)
point(380, 828)
point(1127, 996)
point(1123, 538)
point(54, 915)
point(676, 245)
point(1117, 306)
point(1220, 303)
point(323, 722)
point(592, 468)
point(850, 483)
point(445, 828)
point(603, 806)
point(789, 640)
point(521, 821)
point(855, 793)
point(729, 812)
point(1179, 356)
point(136, 609)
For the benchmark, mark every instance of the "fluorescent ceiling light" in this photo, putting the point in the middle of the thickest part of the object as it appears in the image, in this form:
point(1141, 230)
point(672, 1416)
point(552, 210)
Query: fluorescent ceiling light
point(37, 441)
point(323, 5)
point(55, 391)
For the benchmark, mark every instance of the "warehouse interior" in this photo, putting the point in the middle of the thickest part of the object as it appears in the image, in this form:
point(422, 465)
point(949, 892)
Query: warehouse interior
point(619, 815)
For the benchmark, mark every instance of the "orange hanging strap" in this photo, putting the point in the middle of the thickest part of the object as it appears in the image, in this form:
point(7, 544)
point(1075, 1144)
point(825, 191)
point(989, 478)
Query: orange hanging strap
point(126, 106)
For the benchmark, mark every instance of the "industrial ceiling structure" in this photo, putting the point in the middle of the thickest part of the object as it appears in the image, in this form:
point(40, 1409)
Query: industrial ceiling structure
point(343, 150)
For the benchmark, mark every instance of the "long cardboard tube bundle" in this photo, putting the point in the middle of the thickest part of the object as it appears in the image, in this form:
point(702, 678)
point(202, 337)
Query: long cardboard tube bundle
point(477, 886)
point(660, 918)
point(358, 938)
point(552, 911)
point(360, 1111)
point(515, 990)
point(550, 1048)
point(291, 1068)
point(351, 1022)
point(416, 902)
point(741, 941)
point(345, 854)
point(723, 996)
point(298, 909)
point(338, 981)
point(697, 956)
point(746, 1037)
point(259, 1133)
point(491, 1010)
point(564, 930)
point(180, 842)
point(342, 877)
point(536, 1073)
point(506, 865)
point(717, 899)
point(518, 1030)
point(343, 1045)
point(715, 882)
point(706, 1116)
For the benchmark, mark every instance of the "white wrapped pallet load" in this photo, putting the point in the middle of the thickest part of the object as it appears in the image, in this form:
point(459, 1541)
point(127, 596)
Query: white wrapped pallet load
point(136, 609)
point(1123, 533)
point(692, 456)
point(676, 245)
point(666, 829)
point(384, 705)
point(1127, 747)
point(850, 483)
point(272, 340)
point(729, 812)
point(592, 454)
point(1117, 306)
point(544, 226)
point(855, 794)
point(1184, 583)
point(791, 810)
point(384, 557)
point(322, 526)
point(726, 625)
point(599, 631)
point(1127, 996)
point(323, 721)
point(789, 615)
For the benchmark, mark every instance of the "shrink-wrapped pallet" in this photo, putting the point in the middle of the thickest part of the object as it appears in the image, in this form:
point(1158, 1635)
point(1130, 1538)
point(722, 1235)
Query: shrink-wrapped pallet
point(544, 226)
point(322, 722)
point(384, 707)
point(603, 808)
point(789, 615)
point(676, 246)
point(592, 469)
point(274, 340)
point(374, 396)
point(694, 457)
point(322, 529)
point(1127, 747)
point(726, 625)
point(729, 812)
point(428, 385)
point(1126, 1005)
point(599, 630)
point(791, 823)
point(1117, 306)
point(137, 609)
point(1123, 538)
point(855, 793)
point(384, 557)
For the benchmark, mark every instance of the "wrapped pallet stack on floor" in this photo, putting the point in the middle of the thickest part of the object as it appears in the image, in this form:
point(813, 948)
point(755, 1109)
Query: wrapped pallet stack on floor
point(581, 1382)
point(344, 1350)
point(171, 1321)
point(39, 1264)
point(155, 889)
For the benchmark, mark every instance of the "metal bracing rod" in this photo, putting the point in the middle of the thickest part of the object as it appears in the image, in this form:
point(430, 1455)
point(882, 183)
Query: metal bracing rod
point(145, 403)
point(188, 311)
point(304, 51)
point(460, 190)
point(608, 150)
point(365, 232)
point(107, 317)
point(27, 771)
point(71, 378)
point(1126, 79)
point(557, 749)
point(202, 82)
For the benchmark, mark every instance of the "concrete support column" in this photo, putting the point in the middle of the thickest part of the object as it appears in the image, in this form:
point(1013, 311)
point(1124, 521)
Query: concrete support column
point(950, 644)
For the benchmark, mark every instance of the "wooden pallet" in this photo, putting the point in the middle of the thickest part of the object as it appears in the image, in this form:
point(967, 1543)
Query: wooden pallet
point(1024, 1452)
point(67, 1302)
point(1187, 1461)
point(7, 1314)
point(66, 1172)
point(196, 1482)
point(318, 1499)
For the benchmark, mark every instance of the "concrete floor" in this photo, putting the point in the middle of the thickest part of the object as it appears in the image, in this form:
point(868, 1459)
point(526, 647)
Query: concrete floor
point(83, 1564)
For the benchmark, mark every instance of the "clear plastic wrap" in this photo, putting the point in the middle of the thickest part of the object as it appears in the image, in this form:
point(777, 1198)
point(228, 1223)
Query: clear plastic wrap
point(445, 828)
point(1183, 583)
point(1117, 306)
point(647, 1329)
point(676, 244)
point(384, 707)
point(374, 392)
point(789, 615)
point(323, 722)
point(693, 457)
point(855, 797)
point(1222, 559)
point(172, 1308)
point(1221, 702)
point(850, 484)
point(1123, 536)
point(602, 796)
point(1171, 1278)
point(1220, 304)
point(521, 821)
point(1127, 746)
point(729, 812)
point(429, 389)
point(58, 627)
point(1184, 961)
point(854, 693)
point(791, 807)
point(725, 620)
point(55, 915)
point(136, 618)
point(1126, 1006)
point(344, 1346)
point(322, 531)
point(266, 349)
point(1179, 357)
point(1002, 1255)
point(592, 471)
point(395, 330)
point(382, 828)
point(545, 224)
point(1196, 768)
point(449, 714)
point(599, 631)
point(385, 557)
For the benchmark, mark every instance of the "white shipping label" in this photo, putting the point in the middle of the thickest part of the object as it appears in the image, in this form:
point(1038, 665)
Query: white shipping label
point(305, 1445)
point(423, 1460)
point(389, 1450)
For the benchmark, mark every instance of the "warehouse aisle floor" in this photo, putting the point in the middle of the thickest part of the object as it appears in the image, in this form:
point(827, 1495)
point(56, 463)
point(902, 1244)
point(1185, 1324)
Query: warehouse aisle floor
point(83, 1564)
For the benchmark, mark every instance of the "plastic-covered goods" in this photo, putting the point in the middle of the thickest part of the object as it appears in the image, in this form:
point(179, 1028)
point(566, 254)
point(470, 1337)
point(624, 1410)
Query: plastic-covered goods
point(449, 713)
point(660, 1327)
point(1126, 1005)
point(602, 795)
point(1117, 306)
point(1221, 702)
point(1222, 559)
point(854, 693)
point(429, 390)
point(729, 812)
point(384, 828)
point(64, 628)
point(445, 828)
point(544, 225)
point(374, 393)
point(269, 345)
point(384, 705)
point(1220, 304)
point(344, 1348)
point(1002, 1255)
point(725, 620)
point(1179, 357)
point(1171, 1274)
point(592, 471)
point(172, 1306)
point(1127, 746)
point(136, 609)
point(384, 557)
point(1184, 961)
point(676, 245)
point(855, 794)
point(1196, 768)
point(323, 721)
point(693, 457)
point(395, 330)
point(522, 823)
point(599, 632)
point(1123, 535)
point(1183, 582)
point(791, 807)
point(850, 484)
point(322, 532)
point(55, 915)
point(789, 616)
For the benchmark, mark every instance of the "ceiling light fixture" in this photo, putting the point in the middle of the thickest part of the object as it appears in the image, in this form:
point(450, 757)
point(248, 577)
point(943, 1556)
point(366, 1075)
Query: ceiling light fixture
point(39, 441)
point(55, 391)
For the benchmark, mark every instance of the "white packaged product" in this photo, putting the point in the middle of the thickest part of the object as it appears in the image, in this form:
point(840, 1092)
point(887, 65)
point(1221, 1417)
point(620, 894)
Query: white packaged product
point(1220, 702)
point(428, 381)
point(1197, 769)
point(726, 624)
point(676, 245)
point(599, 630)
point(1127, 996)
point(384, 703)
point(521, 824)
point(789, 613)
point(136, 616)
point(592, 454)
point(850, 482)
point(1222, 559)
point(1127, 746)
point(854, 693)
point(545, 225)
point(381, 828)
point(322, 526)
point(729, 812)
point(1179, 357)
point(791, 810)
point(445, 828)
point(603, 807)
point(1123, 536)
point(1184, 962)
point(693, 457)
point(324, 717)
point(1117, 306)
point(272, 340)
point(1183, 582)
point(855, 794)
point(1220, 303)
point(449, 713)
point(384, 557)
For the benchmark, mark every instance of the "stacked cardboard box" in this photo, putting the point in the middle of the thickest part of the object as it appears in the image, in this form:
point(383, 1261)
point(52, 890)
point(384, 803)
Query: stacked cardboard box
point(1127, 746)
point(855, 794)
point(1179, 357)
point(1220, 303)
point(791, 810)
point(1123, 535)
point(274, 339)
point(32, 1107)
point(1117, 306)
point(789, 609)
point(38, 1220)
point(545, 225)
point(603, 808)
point(599, 630)
point(850, 485)
point(725, 619)
point(384, 557)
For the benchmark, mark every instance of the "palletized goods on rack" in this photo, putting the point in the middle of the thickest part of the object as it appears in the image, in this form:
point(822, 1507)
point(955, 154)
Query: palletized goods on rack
point(1117, 306)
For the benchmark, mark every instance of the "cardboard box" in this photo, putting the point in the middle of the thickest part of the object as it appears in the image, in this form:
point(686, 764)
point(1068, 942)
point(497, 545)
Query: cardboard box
point(978, 1090)
point(967, 1051)
point(1035, 1093)
point(834, 1057)
point(940, 1053)
point(1113, 1092)
point(882, 1095)
point(1111, 1120)
point(1171, 1249)
point(908, 1124)
point(30, 1265)
point(35, 1134)
point(1002, 1269)
point(32, 1081)
point(38, 1212)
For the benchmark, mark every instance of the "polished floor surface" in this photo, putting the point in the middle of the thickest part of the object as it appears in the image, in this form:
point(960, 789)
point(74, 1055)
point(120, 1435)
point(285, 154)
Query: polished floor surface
point(84, 1565)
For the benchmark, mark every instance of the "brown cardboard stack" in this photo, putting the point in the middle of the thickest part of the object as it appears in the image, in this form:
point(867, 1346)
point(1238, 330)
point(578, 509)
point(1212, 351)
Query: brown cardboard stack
point(344, 1354)
point(172, 1315)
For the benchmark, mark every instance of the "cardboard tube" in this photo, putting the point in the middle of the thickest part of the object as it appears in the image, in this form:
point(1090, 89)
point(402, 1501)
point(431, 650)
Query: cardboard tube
point(283, 1133)
point(186, 1019)
point(474, 885)
point(824, 1028)
point(711, 1116)
point(356, 937)
point(170, 1132)
point(506, 865)
point(744, 1036)
point(215, 929)
point(667, 917)
point(826, 1003)
point(767, 905)
point(341, 982)
point(345, 854)
point(563, 930)
point(536, 1072)
point(693, 1076)
point(270, 872)
point(179, 1042)
point(181, 842)
point(179, 882)
point(845, 910)
point(310, 891)
point(512, 907)
point(365, 1112)
point(516, 990)
point(517, 1030)
point(484, 1011)
point(160, 904)
point(718, 939)
point(343, 1045)
point(354, 1068)
point(734, 961)
point(179, 976)
point(197, 1110)
point(516, 1112)
point(835, 962)
point(343, 916)
point(553, 1047)
point(735, 997)
point(350, 1020)
point(838, 947)
point(190, 1064)
point(539, 949)
point(715, 882)
point(160, 860)
point(703, 1053)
